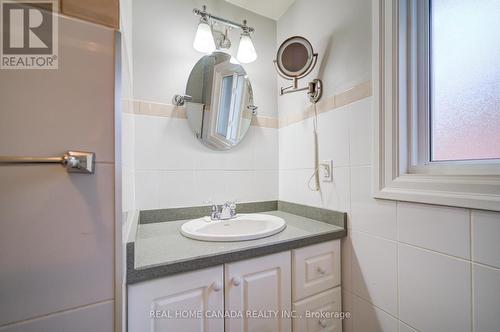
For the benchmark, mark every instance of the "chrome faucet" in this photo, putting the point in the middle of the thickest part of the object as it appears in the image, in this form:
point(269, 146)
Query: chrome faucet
point(226, 211)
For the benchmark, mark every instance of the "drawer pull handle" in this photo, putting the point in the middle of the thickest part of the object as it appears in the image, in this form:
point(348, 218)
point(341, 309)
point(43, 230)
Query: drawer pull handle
point(322, 323)
point(236, 281)
point(216, 286)
point(321, 270)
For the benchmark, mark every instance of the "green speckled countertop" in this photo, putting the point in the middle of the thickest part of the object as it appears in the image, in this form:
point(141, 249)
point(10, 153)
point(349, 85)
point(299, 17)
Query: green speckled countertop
point(160, 249)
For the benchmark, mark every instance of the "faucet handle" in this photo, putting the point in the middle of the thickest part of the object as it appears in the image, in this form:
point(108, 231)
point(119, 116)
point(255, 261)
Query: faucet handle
point(232, 207)
point(214, 214)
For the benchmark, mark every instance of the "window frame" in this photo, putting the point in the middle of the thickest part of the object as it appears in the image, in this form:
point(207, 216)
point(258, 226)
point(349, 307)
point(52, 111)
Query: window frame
point(402, 167)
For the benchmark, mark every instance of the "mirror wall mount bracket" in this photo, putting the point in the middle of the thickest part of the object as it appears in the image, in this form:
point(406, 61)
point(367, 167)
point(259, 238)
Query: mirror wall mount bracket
point(180, 100)
point(314, 89)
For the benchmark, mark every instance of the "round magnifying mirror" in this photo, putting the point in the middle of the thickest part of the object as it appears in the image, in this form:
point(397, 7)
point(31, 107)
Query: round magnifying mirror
point(221, 105)
point(295, 57)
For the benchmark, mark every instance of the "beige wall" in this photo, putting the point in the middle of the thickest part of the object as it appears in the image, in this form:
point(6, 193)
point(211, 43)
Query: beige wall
point(57, 239)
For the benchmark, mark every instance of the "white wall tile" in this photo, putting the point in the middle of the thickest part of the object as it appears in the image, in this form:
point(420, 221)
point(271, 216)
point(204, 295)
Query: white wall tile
point(287, 186)
point(367, 317)
point(163, 143)
point(266, 181)
point(434, 290)
point(97, 317)
point(128, 140)
point(374, 216)
point(374, 270)
point(177, 188)
point(285, 148)
point(347, 307)
point(265, 148)
point(238, 158)
point(297, 144)
point(244, 186)
point(335, 194)
point(486, 237)
point(304, 194)
point(486, 298)
point(147, 184)
point(212, 185)
point(333, 136)
point(440, 228)
point(346, 252)
point(128, 189)
point(167, 152)
point(360, 130)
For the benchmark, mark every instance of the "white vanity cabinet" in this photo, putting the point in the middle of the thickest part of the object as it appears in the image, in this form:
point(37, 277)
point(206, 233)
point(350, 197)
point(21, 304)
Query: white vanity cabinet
point(254, 295)
point(177, 303)
point(260, 289)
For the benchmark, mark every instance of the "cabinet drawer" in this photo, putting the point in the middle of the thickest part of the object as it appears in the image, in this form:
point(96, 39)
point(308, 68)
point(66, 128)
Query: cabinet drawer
point(315, 268)
point(318, 312)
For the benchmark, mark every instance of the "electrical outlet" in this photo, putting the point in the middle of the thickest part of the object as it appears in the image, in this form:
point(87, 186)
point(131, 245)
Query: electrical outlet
point(326, 170)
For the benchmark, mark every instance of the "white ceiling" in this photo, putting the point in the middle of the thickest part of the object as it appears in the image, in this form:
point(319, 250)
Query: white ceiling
point(268, 8)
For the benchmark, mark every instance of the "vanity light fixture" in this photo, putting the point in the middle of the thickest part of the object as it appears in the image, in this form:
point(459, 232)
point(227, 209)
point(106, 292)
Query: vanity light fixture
point(246, 51)
point(204, 40)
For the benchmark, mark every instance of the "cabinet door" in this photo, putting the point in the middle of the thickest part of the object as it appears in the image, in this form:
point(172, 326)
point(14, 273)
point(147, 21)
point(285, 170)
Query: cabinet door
point(177, 303)
point(259, 289)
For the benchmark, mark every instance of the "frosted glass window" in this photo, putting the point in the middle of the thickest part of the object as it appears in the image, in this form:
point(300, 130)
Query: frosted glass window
point(465, 79)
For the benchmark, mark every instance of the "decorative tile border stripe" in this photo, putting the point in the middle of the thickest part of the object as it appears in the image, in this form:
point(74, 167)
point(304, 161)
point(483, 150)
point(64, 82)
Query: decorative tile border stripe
point(142, 107)
point(347, 97)
point(265, 121)
point(357, 92)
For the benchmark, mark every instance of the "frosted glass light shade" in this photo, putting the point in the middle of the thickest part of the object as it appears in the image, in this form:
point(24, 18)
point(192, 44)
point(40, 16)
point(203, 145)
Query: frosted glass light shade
point(246, 50)
point(204, 40)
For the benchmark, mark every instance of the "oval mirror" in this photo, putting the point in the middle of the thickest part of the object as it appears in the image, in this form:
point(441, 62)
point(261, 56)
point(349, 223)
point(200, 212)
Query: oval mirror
point(295, 57)
point(221, 105)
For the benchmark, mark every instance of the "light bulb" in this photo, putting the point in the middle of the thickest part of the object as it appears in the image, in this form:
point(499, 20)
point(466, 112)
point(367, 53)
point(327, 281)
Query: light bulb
point(204, 40)
point(246, 51)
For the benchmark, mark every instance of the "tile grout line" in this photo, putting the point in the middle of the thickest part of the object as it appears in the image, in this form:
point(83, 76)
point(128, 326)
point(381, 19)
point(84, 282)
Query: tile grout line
point(374, 236)
point(435, 252)
point(376, 306)
point(492, 267)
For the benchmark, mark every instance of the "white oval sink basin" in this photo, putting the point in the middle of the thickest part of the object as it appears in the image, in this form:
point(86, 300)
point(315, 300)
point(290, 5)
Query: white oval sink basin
point(243, 227)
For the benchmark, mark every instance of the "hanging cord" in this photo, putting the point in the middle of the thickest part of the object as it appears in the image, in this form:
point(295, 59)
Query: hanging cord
point(315, 174)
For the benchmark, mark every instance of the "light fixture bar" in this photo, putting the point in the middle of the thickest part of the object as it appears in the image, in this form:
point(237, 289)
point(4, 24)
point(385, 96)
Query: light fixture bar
point(203, 13)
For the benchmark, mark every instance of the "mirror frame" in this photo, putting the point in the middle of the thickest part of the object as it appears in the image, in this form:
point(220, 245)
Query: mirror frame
point(202, 120)
point(311, 56)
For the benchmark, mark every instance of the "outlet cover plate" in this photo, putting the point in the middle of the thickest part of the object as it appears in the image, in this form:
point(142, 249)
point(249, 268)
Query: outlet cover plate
point(326, 169)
